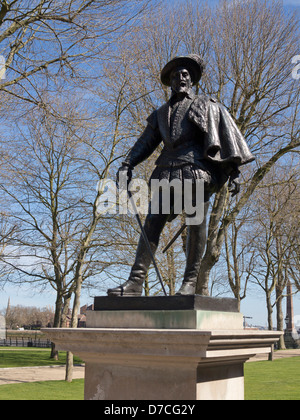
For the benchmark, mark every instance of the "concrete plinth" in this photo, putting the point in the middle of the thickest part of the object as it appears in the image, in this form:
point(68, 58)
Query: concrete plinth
point(164, 348)
point(189, 319)
point(161, 312)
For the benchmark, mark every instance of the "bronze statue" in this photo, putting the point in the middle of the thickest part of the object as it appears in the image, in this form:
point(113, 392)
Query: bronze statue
point(201, 141)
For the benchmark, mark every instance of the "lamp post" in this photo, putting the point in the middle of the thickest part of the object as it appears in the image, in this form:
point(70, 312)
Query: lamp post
point(246, 317)
point(287, 321)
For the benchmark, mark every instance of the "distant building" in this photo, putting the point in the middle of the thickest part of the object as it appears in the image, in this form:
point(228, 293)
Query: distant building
point(81, 317)
point(291, 337)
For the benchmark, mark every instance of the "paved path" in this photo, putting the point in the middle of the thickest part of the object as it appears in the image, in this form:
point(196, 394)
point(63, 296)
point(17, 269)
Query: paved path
point(36, 374)
point(55, 373)
point(280, 354)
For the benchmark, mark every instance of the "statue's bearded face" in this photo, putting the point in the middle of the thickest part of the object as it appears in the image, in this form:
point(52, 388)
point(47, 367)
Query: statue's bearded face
point(181, 81)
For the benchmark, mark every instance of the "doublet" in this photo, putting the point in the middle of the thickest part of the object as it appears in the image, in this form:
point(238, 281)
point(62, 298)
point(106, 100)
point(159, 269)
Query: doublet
point(198, 130)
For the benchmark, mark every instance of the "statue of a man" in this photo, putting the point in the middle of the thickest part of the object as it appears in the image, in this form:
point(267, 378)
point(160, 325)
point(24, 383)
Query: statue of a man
point(201, 141)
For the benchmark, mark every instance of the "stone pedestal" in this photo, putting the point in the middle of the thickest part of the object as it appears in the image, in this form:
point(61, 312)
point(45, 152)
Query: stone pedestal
point(173, 354)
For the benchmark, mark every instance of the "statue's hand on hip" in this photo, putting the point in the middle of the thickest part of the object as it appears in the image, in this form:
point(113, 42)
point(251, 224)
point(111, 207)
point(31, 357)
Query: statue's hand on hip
point(234, 186)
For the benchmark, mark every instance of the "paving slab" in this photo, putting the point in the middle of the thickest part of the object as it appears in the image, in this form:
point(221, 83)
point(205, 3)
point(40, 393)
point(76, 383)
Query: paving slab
point(279, 354)
point(36, 374)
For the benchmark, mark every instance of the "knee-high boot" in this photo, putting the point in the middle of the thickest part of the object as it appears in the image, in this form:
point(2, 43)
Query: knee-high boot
point(134, 285)
point(196, 243)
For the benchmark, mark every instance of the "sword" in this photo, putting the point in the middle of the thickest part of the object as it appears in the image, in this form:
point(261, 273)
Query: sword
point(175, 237)
point(146, 240)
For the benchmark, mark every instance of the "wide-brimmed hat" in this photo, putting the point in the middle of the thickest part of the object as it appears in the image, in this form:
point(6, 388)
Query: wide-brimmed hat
point(192, 62)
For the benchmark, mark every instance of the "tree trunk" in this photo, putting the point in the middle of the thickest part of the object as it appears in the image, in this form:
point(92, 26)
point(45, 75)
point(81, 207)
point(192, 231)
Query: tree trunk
point(74, 324)
point(280, 322)
point(56, 324)
point(271, 354)
point(270, 321)
point(146, 286)
point(238, 298)
point(203, 279)
point(171, 272)
point(54, 352)
point(270, 312)
point(69, 367)
point(214, 241)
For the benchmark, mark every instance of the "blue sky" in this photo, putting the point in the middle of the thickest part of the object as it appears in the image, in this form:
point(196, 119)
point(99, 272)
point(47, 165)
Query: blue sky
point(295, 3)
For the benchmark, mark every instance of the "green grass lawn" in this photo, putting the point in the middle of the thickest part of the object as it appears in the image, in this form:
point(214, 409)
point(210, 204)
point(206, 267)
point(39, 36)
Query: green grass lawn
point(10, 357)
point(277, 380)
point(48, 390)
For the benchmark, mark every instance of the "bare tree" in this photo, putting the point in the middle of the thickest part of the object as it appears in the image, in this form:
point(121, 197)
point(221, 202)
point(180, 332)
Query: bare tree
point(50, 177)
point(248, 70)
point(57, 38)
point(238, 259)
point(277, 229)
point(28, 316)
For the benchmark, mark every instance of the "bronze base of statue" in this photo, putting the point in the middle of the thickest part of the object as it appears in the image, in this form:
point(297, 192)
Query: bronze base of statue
point(165, 303)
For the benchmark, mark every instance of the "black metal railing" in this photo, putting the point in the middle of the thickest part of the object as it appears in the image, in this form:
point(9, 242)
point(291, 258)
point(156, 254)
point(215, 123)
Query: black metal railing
point(25, 342)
